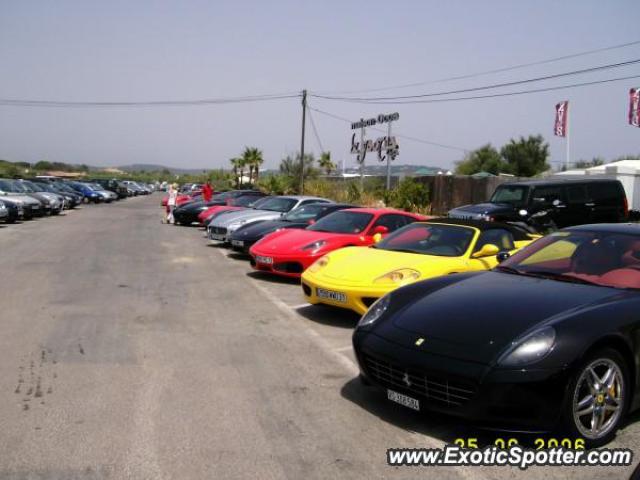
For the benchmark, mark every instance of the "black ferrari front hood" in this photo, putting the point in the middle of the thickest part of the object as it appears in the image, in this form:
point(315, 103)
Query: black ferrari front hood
point(477, 317)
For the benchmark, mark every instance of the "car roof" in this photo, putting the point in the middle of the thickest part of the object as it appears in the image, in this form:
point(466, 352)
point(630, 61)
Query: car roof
point(557, 181)
point(483, 226)
point(626, 228)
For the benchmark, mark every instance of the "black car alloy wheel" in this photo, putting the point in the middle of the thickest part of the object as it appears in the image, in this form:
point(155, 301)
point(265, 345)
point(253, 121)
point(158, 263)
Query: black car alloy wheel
point(598, 397)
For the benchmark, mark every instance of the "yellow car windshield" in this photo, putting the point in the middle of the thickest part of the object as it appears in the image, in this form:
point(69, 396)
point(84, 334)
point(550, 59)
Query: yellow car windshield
point(429, 239)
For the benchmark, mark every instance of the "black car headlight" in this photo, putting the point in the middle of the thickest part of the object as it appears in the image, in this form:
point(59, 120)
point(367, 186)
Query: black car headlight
point(375, 311)
point(530, 349)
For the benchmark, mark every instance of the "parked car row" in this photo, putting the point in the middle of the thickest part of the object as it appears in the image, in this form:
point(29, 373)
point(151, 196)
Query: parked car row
point(482, 318)
point(24, 199)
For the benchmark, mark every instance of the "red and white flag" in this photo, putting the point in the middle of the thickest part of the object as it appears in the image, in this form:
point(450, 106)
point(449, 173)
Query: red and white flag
point(634, 107)
point(562, 113)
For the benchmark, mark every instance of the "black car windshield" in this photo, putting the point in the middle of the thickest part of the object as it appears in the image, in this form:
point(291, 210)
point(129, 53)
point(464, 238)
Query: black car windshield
point(33, 187)
point(246, 200)
point(7, 186)
point(596, 257)
point(305, 212)
point(430, 239)
point(277, 204)
point(23, 187)
point(343, 222)
point(511, 194)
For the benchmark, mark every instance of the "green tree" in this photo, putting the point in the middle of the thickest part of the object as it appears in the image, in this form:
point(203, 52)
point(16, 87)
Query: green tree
point(594, 162)
point(325, 163)
point(252, 157)
point(291, 167)
point(526, 157)
point(484, 159)
point(235, 165)
point(42, 165)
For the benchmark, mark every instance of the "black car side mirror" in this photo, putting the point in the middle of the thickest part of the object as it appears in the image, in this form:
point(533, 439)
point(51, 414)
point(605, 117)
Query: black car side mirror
point(502, 256)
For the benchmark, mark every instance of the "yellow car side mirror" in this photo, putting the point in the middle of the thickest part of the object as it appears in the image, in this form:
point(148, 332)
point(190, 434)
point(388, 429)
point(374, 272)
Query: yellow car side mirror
point(488, 250)
point(377, 237)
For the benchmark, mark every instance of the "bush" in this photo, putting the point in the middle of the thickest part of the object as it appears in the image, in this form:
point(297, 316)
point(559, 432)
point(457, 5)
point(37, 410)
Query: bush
point(408, 195)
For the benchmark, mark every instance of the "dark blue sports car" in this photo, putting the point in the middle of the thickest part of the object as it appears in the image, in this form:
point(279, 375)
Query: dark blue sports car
point(550, 338)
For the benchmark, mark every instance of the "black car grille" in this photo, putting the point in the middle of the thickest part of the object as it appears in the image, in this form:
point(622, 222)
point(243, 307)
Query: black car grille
point(288, 267)
point(218, 230)
point(306, 289)
point(435, 388)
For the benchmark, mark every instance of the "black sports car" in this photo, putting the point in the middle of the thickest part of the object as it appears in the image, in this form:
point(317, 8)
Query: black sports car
point(188, 213)
point(244, 237)
point(549, 338)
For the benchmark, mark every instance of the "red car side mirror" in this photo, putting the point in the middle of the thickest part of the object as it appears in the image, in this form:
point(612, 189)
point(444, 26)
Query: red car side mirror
point(311, 222)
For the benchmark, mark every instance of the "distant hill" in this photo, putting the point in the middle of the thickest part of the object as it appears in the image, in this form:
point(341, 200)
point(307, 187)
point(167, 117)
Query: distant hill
point(150, 167)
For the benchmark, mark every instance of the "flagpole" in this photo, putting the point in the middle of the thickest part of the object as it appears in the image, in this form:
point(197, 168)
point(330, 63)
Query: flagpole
point(567, 133)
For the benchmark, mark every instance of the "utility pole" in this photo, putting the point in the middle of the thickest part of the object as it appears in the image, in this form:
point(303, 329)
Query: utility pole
point(304, 118)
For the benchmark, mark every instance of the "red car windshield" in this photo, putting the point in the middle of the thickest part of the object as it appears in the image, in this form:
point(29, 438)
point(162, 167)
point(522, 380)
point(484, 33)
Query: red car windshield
point(600, 258)
point(343, 222)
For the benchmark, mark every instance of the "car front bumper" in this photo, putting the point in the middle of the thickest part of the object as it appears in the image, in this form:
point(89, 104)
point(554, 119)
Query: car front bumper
point(522, 400)
point(357, 297)
point(290, 266)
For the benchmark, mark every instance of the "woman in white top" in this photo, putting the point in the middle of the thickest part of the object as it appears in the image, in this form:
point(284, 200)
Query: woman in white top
point(171, 203)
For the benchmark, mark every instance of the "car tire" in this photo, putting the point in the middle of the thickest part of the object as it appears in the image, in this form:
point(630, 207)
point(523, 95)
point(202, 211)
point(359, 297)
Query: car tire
point(591, 397)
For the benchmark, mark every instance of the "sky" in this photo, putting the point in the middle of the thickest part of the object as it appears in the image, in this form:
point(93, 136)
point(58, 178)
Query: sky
point(146, 50)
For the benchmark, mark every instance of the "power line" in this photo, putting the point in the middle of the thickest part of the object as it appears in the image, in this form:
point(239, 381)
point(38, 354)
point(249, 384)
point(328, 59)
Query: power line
point(484, 87)
point(155, 103)
point(494, 95)
point(406, 137)
point(486, 72)
point(315, 130)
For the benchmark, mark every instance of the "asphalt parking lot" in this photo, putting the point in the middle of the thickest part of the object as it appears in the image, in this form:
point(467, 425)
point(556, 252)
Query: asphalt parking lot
point(132, 349)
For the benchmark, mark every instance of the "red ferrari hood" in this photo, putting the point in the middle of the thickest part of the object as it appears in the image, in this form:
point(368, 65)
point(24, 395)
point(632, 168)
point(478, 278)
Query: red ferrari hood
point(292, 241)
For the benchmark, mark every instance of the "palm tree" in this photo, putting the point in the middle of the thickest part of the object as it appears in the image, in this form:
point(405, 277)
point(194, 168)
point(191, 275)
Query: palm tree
point(242, 163)
point(235, 163)
point(253, 159)
point(258, 160)
point(325, 163)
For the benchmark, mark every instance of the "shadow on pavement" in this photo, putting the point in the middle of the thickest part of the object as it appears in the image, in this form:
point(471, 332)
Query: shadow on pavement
point(445, 428)
point(269, 277)
point(332, 316)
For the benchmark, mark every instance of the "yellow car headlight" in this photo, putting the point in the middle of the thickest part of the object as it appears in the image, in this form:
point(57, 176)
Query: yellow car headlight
point(319, 264)
point(400, 276)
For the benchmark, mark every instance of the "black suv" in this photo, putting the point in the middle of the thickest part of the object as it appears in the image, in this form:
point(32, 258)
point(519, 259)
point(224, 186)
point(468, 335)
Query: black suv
point(566, 202)
point(113, 186)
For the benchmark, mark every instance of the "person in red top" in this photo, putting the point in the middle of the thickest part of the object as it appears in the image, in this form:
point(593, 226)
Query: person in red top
point(207, 191)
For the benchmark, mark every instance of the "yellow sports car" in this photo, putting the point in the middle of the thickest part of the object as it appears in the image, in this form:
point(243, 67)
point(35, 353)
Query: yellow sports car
point(355, 277)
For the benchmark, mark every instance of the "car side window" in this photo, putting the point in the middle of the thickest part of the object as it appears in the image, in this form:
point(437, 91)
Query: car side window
point(576, 194)
point(604, 193)
point(503, 239)
point(393, 221)
point(313, 200)
point(547, 195)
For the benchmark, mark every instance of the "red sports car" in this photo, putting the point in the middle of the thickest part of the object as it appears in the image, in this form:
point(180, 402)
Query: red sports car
point(180, 199)
point(204, 217)
point(289, 252)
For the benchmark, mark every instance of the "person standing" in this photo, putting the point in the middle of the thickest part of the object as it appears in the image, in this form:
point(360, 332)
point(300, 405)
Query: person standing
point(171, 202)
point(207, 191)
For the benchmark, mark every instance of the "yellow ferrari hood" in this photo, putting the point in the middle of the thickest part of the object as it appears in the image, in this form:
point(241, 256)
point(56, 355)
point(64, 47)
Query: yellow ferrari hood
point(357, 265)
